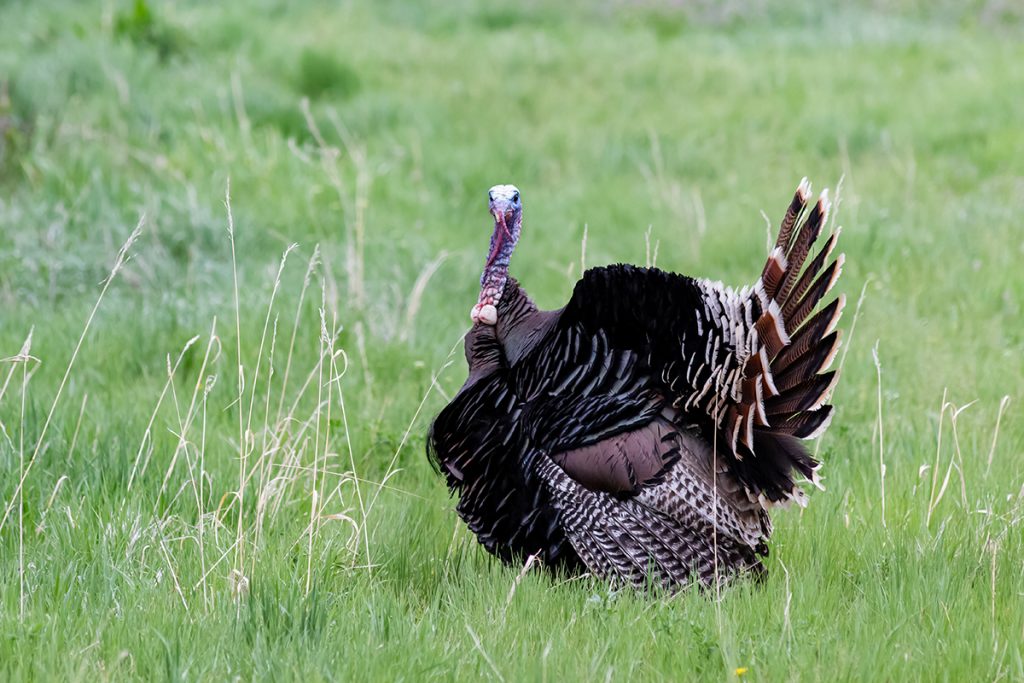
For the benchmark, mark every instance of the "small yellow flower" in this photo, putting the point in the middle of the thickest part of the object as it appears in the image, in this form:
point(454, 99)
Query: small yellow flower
point(741, 670)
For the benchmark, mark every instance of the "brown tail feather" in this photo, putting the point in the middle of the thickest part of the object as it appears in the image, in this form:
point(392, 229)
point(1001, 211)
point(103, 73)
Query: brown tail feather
point(795, 318)
point(815, 361)
point(807, 395)
point(813, 268)
point(802, 243)
point(796, 207)
point(811, 334)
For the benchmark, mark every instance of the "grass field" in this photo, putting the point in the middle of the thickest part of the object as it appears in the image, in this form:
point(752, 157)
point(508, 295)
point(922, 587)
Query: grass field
point(226, 480)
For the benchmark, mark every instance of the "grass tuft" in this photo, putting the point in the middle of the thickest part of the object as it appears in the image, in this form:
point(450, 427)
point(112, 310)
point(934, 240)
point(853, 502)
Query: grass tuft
point(321, 73)
point(143, 27)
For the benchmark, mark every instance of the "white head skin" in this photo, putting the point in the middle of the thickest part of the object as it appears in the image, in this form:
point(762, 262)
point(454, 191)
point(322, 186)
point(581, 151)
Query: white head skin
point(503, 193)
point(505, 206)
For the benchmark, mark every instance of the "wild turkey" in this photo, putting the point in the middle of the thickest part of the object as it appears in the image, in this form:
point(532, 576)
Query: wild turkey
point(642, 432)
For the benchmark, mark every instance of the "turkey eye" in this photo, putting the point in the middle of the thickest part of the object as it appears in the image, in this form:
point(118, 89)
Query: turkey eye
point(515, 198)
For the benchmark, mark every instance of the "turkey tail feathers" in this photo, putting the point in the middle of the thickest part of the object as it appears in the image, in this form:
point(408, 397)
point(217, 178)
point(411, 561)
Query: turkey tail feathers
point(785, 378)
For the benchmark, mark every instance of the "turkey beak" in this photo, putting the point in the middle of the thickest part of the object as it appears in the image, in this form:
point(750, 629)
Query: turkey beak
point(502, 213)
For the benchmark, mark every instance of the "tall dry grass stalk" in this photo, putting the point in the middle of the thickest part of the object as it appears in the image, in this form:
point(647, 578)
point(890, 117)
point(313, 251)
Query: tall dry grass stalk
point(316, 445)
point(995, 434)
point(23, 360)
point(242, 436)
point(880, 430)
point(356, 481)
point(938, 452)
point(208, 383)
point(78, 426)
point(314, 260)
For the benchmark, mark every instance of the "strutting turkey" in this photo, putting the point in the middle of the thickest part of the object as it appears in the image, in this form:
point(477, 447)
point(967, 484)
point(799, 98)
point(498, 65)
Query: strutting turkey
point(642, 432)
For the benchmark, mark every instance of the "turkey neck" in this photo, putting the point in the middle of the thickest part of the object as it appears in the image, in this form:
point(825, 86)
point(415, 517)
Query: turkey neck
point(503, 243)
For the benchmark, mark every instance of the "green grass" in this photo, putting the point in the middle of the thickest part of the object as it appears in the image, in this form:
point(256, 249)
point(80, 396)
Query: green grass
point(614, 118)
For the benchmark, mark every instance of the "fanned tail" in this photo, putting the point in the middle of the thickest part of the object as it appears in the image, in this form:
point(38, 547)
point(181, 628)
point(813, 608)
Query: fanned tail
point(785, 378)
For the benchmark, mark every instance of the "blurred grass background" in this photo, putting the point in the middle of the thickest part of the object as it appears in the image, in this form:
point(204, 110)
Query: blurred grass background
point(371, 131)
